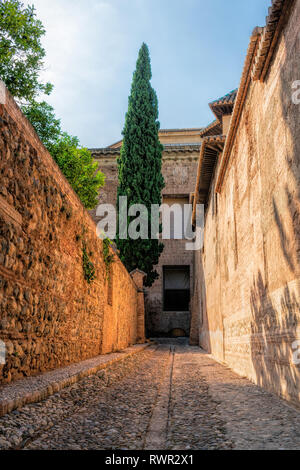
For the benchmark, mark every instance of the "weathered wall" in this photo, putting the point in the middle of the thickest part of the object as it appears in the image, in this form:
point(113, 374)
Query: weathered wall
point(179, 171)
point(49, 315)
point(248, 282)
point(180, 136)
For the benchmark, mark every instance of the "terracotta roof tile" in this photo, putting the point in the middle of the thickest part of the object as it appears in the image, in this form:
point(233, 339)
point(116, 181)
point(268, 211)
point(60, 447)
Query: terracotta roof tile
point(226, 99)
point(270, 35)
point(223, 105)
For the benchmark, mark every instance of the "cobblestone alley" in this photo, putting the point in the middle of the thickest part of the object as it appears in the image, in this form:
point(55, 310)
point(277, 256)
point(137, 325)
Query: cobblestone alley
point(170, 396)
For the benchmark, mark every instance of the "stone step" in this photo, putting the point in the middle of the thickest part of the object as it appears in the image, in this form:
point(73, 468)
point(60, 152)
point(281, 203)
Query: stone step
point(34, 389)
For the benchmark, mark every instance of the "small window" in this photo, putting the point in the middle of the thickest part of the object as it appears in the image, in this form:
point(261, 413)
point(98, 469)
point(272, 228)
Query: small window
point(176, 288)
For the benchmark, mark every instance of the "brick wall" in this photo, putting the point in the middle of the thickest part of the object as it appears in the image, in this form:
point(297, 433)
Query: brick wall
point(247, 291)
point(49, 315)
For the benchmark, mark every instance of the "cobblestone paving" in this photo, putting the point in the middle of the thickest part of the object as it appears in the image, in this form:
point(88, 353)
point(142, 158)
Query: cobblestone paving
point(208, 407)
point(194, 418)
point(109, 410)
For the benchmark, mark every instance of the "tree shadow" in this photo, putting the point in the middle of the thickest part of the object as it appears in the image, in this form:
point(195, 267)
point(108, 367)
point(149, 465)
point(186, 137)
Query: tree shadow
point(273, 332)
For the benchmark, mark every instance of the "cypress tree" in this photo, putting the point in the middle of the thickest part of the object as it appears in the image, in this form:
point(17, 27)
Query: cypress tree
point(139, 167)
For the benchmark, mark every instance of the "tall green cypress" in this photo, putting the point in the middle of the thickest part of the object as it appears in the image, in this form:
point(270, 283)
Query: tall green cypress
point(139, 167)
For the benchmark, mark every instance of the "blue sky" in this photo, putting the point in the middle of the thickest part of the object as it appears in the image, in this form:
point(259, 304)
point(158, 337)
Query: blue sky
point(197, 51)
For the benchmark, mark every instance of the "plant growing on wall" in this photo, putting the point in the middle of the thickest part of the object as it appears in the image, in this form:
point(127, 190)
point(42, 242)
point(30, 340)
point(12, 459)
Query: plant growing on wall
point(88, 267)
point(139, 166)
point(75, 162)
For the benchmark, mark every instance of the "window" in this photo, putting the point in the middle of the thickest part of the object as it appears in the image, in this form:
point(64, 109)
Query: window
point(176, 288)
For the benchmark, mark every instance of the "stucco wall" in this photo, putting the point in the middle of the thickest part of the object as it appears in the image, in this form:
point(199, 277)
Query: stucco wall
point(179, 168)
point(247, 296)
point(49, 315)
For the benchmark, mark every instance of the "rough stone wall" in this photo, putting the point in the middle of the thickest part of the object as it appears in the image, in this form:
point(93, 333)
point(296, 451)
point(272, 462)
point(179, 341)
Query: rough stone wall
point(248, 284)
point(179, 169)
point(49, 315)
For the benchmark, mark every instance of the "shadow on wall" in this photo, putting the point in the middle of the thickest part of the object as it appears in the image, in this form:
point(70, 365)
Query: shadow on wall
point(273, 331)
point(291, 114)
point(200, 329)
point(275, 322)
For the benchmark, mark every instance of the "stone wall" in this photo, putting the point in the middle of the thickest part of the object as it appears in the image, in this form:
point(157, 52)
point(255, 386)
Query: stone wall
point(50, 315)
point(247, 290)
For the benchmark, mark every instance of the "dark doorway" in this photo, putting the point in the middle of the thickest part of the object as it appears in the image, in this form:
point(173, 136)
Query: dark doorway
point(176, 288)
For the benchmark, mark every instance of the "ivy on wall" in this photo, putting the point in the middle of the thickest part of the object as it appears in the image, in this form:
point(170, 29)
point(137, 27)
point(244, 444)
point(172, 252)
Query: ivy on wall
point(89, 271)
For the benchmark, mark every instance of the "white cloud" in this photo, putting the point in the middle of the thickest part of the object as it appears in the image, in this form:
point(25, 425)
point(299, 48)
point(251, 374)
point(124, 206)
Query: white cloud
point(92, 47)
point(86, 51)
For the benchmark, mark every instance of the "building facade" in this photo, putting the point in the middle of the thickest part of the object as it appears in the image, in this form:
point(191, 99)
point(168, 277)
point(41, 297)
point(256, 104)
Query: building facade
point(168, 300)
point(246, 303)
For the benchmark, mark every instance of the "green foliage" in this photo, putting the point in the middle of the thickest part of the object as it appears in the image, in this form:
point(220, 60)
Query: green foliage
point(75, 162)
point(79, 168)
point(21, 52)
point(107, 256)
point(88, 267)
point(139, 165)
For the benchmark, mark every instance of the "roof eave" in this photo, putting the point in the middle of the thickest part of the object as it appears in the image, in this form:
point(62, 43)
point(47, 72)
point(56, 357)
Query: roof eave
point(256, 66)
point(239, 102)
point(214, 145)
